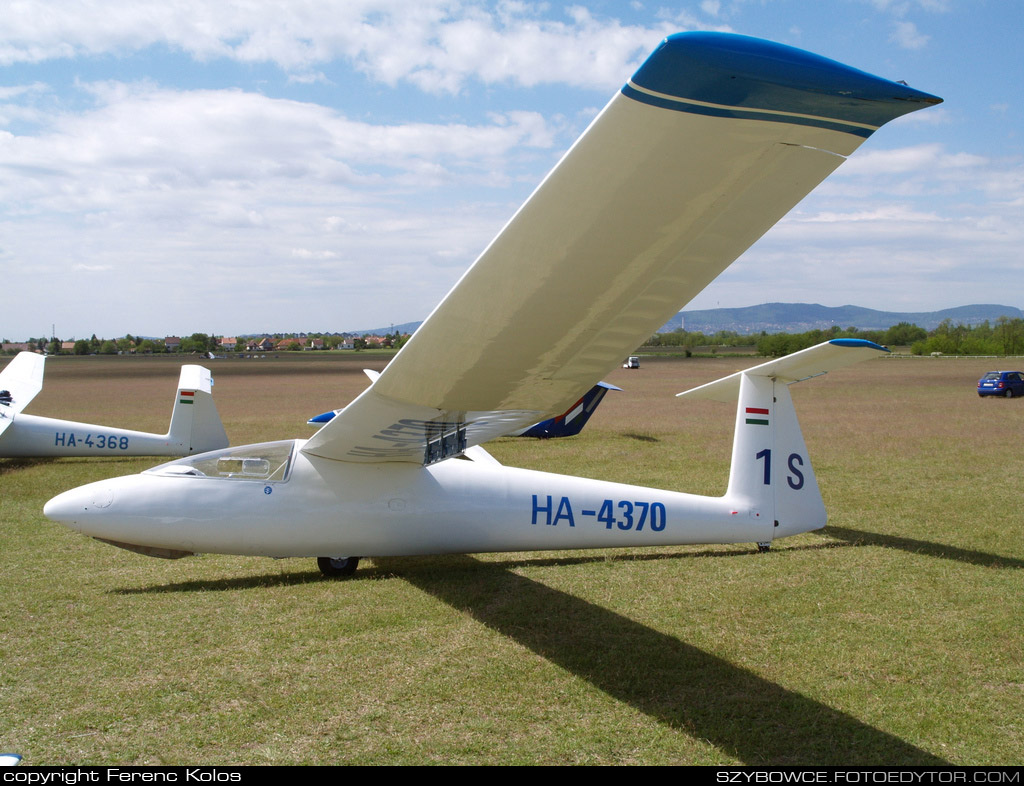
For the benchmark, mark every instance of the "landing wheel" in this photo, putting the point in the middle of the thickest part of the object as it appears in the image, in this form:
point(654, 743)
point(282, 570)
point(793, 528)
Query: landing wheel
point(764, 546)
point(337, 567)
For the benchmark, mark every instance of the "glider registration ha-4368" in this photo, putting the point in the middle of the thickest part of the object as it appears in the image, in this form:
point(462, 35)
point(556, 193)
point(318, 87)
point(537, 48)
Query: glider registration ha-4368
point(195, 425)
point(709, 144)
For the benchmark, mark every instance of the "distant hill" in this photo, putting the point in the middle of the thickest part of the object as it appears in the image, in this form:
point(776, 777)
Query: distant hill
point(405, 327)
point(801, 317)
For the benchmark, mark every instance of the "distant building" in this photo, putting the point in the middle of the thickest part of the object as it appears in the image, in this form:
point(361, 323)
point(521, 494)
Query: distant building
point(173, 343)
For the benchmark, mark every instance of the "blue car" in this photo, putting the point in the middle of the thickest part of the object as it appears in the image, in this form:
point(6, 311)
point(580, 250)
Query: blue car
point(1002, 383)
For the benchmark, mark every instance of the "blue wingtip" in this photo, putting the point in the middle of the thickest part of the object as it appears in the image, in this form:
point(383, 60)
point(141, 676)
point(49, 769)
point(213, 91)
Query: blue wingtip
point(858, 342)
point(754, 74)
point(323, 417)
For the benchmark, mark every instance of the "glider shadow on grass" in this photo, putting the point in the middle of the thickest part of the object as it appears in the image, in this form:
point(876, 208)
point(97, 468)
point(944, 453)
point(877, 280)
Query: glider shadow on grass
point(857, 537)
point(703, 695)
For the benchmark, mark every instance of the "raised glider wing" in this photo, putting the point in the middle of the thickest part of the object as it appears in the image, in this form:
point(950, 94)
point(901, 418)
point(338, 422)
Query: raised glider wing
point(568, 424)
point(195, 425)
point(709, 144)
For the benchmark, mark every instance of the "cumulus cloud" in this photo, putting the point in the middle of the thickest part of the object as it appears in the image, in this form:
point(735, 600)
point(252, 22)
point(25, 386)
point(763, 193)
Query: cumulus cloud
point(903, 7)
point(907, 35)
point(140, 138)
point(917, 159)
point(436, 45)
point(93, 268)
point(173, 187)
point(309, 212)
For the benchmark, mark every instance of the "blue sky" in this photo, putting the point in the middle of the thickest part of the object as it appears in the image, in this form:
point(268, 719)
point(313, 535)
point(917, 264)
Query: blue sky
point(230, 167)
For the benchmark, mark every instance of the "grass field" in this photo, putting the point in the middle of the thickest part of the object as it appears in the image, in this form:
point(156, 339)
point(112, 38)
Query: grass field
point(892, 637)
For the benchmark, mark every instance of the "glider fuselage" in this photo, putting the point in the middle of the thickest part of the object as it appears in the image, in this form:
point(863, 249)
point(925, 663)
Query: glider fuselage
point(31, 435)
point(329, 507)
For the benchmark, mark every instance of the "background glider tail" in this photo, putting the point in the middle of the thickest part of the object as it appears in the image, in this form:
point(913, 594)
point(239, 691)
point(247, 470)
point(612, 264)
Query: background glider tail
point(571, 422)
point(195, 422)
point(20, 382)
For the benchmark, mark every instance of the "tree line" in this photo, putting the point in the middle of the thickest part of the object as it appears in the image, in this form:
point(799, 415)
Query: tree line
point(200, 343)
point(1005, 337)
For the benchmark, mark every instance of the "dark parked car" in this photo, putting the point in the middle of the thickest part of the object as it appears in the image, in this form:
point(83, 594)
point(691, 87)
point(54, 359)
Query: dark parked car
point(1002, 383)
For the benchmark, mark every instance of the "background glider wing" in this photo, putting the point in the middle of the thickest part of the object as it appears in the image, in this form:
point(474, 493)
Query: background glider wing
point(806, 363)
point(20, 381)
point(712, 141)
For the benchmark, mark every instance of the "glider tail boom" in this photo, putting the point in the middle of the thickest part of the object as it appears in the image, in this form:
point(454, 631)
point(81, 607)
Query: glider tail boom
point(195, 422)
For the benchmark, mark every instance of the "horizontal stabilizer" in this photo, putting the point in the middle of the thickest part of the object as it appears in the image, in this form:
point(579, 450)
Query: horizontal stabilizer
point(806, 363)
point(195, 378)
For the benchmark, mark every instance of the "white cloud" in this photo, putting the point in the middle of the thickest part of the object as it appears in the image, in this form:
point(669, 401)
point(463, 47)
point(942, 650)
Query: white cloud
point(93, 268)
point(901, 8)
point(172, 188)
point(919, 159)
point(711, 7)
point(906, 35)
point(436, 45)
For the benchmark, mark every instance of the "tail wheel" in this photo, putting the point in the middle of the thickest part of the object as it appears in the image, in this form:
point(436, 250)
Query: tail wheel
point(337, 567)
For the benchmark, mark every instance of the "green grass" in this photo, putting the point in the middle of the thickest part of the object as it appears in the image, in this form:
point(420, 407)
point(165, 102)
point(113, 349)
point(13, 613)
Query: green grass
point(893, 637)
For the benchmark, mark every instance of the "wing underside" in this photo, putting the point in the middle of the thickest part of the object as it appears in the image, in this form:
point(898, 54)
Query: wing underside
point(714, 139)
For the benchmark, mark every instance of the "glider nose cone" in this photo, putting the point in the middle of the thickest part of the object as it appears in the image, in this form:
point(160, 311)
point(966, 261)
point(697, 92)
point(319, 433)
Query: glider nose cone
point(72, 506)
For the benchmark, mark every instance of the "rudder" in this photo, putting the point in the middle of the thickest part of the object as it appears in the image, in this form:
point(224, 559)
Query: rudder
point(195, 422)
point(771, 470)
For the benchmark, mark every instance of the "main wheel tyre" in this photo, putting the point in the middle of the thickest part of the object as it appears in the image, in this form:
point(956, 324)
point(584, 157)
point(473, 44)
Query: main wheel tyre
point(337, 567)
point(1009, 392)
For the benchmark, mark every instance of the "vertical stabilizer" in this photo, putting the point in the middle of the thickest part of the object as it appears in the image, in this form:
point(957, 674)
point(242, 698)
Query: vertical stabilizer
point(20, 382)
point(771, 471)
point(195, 422)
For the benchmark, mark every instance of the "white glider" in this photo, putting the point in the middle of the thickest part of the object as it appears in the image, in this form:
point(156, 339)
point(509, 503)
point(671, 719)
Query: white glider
point(195, 425)
point(709, 144)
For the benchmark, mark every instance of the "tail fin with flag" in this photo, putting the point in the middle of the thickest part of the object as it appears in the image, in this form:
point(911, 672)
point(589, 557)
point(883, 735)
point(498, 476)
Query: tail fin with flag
point(20, 382)
point(195, 423)
point(771, 473)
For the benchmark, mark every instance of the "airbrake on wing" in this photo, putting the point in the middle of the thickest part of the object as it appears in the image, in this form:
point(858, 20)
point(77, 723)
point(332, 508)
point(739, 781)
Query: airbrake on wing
point(568, 424)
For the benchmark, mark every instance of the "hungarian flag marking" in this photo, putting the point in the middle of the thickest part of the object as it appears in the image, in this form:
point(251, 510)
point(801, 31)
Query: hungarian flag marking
point(753, 419)
point(186, 397)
